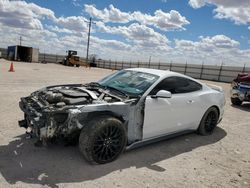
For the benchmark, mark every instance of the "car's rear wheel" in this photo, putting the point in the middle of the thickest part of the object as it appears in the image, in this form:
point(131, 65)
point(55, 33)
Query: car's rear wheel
point(102, 140)
point(208, 121)
point(236, 101)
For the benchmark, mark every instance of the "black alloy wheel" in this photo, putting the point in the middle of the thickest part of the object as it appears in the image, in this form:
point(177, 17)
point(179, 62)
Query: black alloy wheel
point(102, 140)
point(108, 143)
point(211, 121)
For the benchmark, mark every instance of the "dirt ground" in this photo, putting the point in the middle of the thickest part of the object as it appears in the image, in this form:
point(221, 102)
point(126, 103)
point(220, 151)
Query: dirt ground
point(219, 160)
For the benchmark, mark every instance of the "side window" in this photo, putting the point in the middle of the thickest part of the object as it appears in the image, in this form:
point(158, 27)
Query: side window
point(185, 85)
point(177, 85)
point(167, 84)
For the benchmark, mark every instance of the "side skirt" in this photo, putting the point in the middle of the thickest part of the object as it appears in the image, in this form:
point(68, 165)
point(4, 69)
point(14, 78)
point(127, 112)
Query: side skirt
point(156, 139)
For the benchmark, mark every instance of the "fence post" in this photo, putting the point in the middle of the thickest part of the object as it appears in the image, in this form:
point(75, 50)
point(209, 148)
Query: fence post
point(138, 65)
point(115, 65)
point(130, 64)
point(122, 64)
point(149, 61)
point(170, 65)
point(104, 64)
point(201, 70)
point(109, 64)
point(220, 71)
point(243, 70)
point(159, 65)
point(185, 68)
point(98, 63)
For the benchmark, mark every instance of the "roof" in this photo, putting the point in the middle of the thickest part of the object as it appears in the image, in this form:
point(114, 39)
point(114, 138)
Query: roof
point(161, 73)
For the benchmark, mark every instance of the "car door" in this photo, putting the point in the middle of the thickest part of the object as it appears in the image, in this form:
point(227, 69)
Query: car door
point(170, 115)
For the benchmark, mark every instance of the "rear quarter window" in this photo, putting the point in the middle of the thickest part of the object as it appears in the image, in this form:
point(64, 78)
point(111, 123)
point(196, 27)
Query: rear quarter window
point(177, 85)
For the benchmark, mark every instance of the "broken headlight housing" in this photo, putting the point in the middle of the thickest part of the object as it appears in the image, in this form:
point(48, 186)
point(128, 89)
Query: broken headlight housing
point(60, 118)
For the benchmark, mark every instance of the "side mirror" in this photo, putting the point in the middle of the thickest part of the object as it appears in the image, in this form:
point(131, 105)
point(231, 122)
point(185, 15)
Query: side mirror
point(162, 94)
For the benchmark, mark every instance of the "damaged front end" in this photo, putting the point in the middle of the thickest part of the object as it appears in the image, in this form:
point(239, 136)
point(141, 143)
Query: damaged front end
point(62, 111)
point(241, 91)
point(241, 87)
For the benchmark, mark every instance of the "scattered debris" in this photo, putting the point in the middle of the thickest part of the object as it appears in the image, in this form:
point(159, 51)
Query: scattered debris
point(42, 176)
point(21, 165)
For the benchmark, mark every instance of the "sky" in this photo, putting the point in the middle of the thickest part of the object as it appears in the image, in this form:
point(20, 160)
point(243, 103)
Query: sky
point(178, 31)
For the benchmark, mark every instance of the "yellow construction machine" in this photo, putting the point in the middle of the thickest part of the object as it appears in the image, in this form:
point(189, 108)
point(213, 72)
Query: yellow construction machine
point(73, 60)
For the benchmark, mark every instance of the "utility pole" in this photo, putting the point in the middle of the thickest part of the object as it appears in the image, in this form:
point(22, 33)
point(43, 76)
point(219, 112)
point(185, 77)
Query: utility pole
point(89, 23)
point(20, 40)
point(149, 61)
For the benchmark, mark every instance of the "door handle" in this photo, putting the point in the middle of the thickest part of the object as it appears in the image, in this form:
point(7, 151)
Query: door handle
point(190, 101)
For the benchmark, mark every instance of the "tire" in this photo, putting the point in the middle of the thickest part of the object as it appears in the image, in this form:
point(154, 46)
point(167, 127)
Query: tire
point(208, 122)
point(102, 140)
point(236, 101)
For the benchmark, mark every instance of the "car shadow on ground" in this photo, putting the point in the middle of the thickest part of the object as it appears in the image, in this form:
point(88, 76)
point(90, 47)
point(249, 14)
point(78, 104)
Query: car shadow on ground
point(245, 106)
point(21, 161)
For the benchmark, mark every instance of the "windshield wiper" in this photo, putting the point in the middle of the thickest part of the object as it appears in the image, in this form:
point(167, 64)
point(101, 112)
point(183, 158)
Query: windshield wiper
point(95, 84)
point(117, 90)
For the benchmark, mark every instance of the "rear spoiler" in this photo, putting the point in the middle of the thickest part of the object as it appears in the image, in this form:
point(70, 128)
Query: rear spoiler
point(215, 87)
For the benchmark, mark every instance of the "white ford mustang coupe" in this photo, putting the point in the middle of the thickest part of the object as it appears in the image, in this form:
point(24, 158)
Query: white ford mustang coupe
point(127, 109)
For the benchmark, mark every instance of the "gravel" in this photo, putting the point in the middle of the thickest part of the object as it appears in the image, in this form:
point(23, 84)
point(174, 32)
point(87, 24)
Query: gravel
point(219, 160)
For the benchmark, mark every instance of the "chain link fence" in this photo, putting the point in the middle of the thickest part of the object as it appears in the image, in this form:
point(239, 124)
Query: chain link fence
point(222, 73)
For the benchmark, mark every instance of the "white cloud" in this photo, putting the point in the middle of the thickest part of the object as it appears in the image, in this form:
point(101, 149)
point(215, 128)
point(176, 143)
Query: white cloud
point(136, 33)
point(76, 3)
point(136, 39)
point(235, 10)
point(26, 20)
point(108, 15)
point(58, 30)
point(208, 44)
point(162, 20)
point(113, 44)
point(20, 14)
point(213, 49)
point(23, 15)
point(37, 38)
point(197, 3)
point(75, 23)
point(220, 41)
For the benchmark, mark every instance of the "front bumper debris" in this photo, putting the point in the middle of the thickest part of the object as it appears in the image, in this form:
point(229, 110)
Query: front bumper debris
point(33, 118)
point(241, 93)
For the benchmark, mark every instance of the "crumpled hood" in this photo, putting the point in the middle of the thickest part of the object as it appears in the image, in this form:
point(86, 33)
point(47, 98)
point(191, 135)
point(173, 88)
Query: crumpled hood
point(62, 95)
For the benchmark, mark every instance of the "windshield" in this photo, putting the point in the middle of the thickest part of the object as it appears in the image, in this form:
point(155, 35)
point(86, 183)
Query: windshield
point(130, 82)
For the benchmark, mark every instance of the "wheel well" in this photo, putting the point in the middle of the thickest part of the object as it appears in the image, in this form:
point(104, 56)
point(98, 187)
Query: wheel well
point(217, 108)
point(92, 115)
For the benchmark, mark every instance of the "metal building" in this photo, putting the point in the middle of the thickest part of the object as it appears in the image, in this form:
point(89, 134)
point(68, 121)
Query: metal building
point(23, 53)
